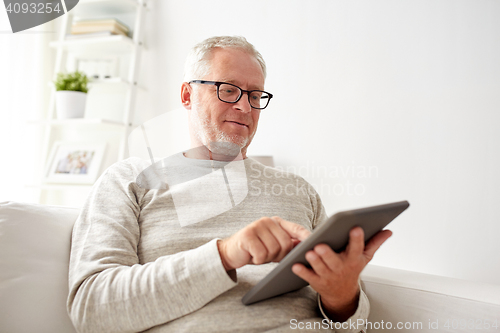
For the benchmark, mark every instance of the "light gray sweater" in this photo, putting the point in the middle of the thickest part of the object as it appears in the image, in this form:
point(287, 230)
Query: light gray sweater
point(144, 253)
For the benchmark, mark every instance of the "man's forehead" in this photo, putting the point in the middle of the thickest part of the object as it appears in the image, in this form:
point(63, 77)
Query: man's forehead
point(236, 66)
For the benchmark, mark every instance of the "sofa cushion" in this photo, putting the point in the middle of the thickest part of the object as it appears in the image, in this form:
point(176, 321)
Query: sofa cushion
point(34, 258)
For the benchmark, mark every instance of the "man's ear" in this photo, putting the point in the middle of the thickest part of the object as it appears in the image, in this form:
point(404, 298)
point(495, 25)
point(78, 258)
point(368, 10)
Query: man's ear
point(186, 94)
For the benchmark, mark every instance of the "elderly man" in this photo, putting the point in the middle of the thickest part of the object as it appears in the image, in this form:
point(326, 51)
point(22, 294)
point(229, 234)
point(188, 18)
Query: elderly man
point(150, 252)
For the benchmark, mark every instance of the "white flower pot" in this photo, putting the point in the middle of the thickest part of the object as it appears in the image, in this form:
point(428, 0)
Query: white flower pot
point(70, 104)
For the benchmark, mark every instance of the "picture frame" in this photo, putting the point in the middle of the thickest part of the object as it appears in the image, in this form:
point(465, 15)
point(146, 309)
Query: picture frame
point(98, 69)
point(74, 163)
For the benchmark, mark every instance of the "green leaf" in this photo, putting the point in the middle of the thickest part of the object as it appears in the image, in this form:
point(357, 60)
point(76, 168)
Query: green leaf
point(76, 81)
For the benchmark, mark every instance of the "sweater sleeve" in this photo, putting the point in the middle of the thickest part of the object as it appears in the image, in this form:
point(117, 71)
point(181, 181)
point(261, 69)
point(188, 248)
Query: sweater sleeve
point(357, 322)
point(109, 290)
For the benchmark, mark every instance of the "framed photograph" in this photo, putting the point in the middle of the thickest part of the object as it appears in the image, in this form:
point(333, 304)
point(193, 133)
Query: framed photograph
point(74, 163)
point(101, 68)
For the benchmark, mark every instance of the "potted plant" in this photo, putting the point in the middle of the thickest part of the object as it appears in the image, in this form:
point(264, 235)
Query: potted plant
point(71, 94)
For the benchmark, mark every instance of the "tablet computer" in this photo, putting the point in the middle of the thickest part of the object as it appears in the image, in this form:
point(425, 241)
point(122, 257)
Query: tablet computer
point(335, 233)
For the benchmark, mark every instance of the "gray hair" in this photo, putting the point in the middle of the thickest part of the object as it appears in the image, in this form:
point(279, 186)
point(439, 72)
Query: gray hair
point(198, 61)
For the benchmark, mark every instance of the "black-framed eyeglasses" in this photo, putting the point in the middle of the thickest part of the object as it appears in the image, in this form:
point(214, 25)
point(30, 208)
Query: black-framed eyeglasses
point(229, 93)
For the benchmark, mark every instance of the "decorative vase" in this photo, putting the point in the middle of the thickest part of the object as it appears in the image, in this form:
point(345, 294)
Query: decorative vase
point(70, 104)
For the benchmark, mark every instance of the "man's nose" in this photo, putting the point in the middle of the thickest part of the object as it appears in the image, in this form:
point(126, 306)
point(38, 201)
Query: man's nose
point(243, 104)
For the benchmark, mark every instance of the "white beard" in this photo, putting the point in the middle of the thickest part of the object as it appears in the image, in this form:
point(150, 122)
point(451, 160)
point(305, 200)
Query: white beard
point(206, 132)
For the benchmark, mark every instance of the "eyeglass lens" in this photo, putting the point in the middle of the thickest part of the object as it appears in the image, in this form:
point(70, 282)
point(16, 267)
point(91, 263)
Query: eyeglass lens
point(229, 93)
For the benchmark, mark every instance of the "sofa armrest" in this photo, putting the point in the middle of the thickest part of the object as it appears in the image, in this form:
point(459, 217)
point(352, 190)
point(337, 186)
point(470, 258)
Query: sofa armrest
point(34, 260)
point(411, 298)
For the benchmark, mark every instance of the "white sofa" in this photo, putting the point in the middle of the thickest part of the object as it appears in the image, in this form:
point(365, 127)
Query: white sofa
point(34, 253)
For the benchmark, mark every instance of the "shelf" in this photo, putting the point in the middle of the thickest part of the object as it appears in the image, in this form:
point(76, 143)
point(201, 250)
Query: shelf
point(94, 8)
point(76, 121)
point(113, 80)
point(59, 186)
point(116, 44)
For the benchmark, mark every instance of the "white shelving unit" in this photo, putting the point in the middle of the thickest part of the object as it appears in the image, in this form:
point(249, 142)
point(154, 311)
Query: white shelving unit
point(116, 44)
point(73, 122)
point(111, 101)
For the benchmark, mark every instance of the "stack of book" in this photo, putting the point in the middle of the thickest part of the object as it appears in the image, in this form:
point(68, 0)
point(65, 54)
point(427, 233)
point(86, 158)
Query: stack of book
point(95, 28)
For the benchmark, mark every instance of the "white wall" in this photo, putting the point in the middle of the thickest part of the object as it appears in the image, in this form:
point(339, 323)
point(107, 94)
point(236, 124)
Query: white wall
point(26, 66)
point(403, 93)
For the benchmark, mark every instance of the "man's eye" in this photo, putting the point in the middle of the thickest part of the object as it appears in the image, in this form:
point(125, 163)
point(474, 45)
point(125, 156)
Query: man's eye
point(256, 96)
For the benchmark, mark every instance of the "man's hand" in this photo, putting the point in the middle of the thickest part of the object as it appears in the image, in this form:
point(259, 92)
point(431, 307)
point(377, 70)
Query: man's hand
point(335, 275)
point(268, 239)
